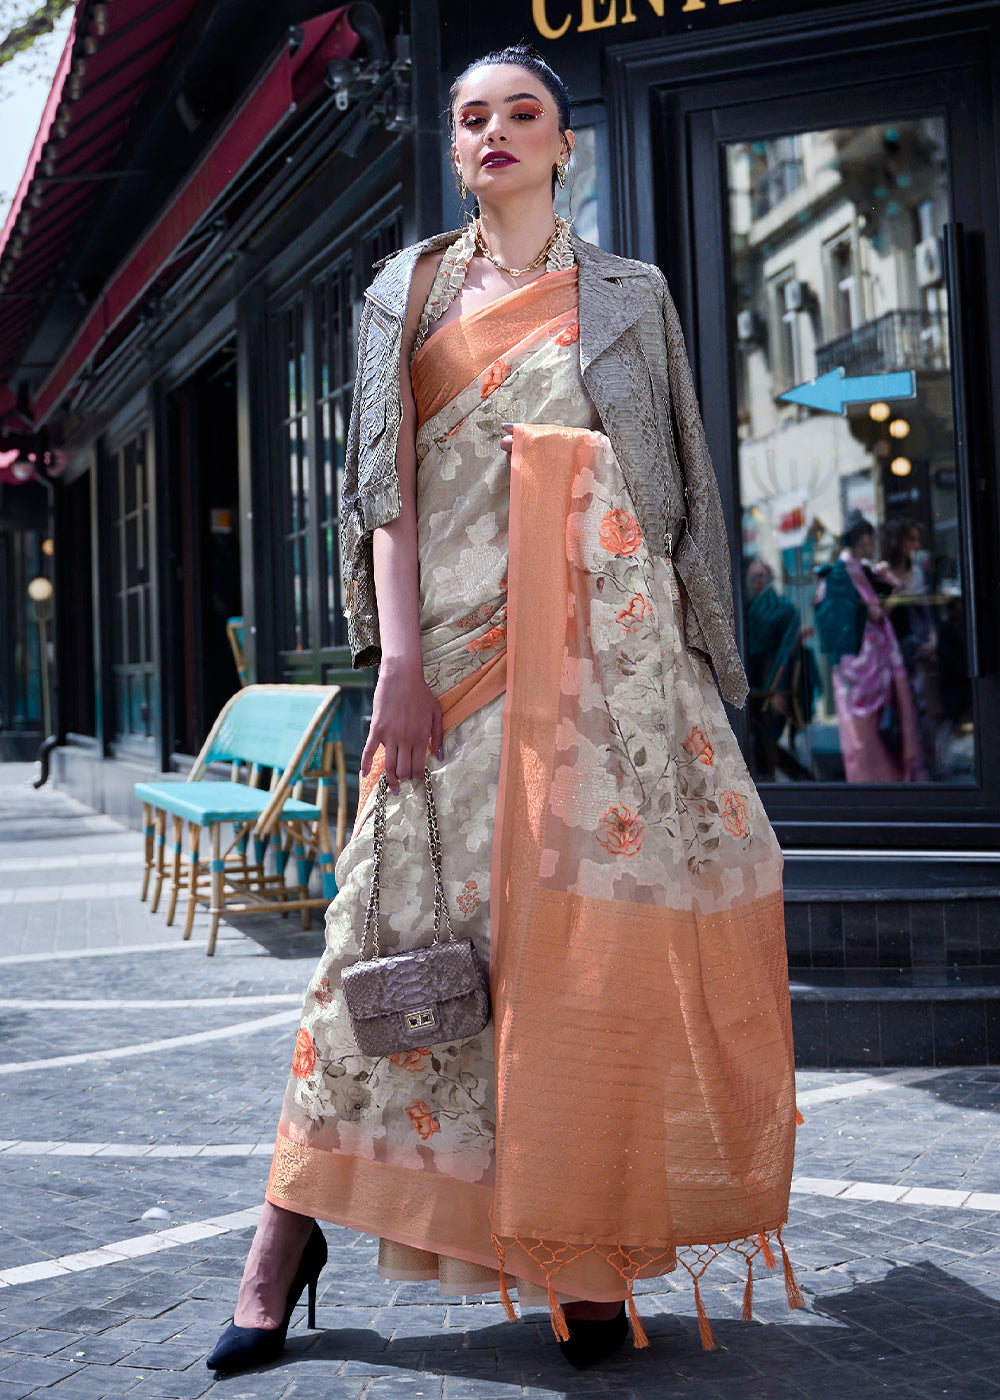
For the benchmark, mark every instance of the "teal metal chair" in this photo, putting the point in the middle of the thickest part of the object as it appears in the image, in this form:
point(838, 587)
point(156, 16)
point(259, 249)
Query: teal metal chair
point(291, 732)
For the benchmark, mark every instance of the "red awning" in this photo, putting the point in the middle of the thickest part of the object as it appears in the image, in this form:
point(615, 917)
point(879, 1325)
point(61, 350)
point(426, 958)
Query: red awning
point(288, 82)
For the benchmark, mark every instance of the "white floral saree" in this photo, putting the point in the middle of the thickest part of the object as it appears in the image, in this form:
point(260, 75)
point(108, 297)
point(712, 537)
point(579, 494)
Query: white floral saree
point(631, 1105)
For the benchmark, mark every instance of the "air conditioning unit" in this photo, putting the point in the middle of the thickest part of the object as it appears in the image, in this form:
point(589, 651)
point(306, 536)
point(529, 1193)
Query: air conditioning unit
point(746, 325)
point(928, 256)
point(796, 294)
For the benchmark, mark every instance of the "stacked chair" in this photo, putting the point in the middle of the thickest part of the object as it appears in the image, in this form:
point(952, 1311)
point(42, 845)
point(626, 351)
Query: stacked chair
point(276, 739)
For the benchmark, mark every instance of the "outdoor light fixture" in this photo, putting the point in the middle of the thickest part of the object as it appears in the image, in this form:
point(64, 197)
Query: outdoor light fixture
point(40, 590)
point(901, 466)
point(879, 412)
point(899, 428)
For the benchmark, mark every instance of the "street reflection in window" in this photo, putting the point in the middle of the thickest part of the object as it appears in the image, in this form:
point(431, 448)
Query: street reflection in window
point(851, 557)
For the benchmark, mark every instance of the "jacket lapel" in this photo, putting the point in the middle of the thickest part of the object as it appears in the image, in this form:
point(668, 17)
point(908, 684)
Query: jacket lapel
point(613, 295)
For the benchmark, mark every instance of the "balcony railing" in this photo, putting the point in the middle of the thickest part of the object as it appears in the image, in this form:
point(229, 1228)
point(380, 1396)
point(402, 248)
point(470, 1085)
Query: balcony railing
point(774, 185)
point(896, 341)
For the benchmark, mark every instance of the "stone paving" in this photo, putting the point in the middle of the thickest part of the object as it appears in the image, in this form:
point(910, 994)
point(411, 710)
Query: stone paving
point(130, 1182)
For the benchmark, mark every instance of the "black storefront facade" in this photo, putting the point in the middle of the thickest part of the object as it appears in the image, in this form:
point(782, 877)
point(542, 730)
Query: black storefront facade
point(819, 184)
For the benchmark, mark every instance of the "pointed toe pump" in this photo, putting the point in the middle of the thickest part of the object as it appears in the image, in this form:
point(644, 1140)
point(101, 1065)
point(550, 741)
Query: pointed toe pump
point(239, 1348)
point(591, 1340)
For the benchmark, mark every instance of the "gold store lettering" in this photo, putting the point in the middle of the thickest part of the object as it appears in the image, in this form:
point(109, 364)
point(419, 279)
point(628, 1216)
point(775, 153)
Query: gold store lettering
point(602, 14)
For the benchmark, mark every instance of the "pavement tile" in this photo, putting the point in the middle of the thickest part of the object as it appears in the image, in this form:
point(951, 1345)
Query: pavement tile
point(902, 1283)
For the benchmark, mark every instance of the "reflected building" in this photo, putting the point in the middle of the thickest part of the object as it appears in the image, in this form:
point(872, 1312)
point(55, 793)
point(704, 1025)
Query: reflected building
point(838, 268)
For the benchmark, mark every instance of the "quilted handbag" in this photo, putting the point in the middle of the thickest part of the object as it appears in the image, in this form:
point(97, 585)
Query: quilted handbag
point(423, 996)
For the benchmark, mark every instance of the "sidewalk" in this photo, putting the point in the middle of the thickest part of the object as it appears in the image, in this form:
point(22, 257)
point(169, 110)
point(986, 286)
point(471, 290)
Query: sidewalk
point(140, 1083)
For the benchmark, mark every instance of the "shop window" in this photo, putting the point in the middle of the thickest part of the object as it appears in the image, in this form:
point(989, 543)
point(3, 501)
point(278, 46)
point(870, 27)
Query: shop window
point(130, 590)
point(851, 557)
point(313, 335)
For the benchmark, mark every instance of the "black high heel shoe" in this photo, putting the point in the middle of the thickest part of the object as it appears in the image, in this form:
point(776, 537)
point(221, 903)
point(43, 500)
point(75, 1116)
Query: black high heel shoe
point(239, 1348)
point(591, 1339)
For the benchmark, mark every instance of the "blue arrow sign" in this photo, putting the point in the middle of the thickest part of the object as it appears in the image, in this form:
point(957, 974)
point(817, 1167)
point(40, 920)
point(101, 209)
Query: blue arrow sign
point(832, 392)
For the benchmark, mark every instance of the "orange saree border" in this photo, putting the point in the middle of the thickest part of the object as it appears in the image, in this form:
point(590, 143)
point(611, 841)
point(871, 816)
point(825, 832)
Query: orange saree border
point(604, 1137)
point(475, 340)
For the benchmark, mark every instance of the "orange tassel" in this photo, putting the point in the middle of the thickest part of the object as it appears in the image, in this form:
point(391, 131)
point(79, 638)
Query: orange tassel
point(799, 1120)
point(504, 1295)
point(556, 1314)
point(795, 1298)
point(704, 1326)
point(748, 1293)
point(766, 1250)
point(639, 1338)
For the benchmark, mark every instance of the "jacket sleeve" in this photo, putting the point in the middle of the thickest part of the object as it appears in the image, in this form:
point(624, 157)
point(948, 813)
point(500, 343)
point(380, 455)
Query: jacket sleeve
point(357, 563)
point(702, 553)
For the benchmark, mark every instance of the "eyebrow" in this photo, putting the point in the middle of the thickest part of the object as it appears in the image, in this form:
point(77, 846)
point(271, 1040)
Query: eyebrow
point(517, 97)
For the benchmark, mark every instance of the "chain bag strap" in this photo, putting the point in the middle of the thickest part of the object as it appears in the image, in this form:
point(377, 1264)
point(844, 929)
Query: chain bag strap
point(425, 995)
point(433, 846)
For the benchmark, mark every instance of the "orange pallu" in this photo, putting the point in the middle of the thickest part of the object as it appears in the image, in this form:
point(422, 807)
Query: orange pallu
point(644, 1084)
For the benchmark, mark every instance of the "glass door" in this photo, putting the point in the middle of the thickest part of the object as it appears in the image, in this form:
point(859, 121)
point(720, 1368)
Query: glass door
point(833, 317)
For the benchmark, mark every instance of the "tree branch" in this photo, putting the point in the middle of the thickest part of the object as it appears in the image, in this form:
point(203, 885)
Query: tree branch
point(20, 38)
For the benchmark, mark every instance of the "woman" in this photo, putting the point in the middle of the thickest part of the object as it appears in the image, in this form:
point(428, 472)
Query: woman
point(871, 690)
point(603, 844)
point(913, 623)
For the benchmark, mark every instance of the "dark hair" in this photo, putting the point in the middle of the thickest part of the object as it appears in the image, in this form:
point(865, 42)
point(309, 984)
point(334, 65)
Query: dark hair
point(895, 533)
point(857, 531)
point(524, 56)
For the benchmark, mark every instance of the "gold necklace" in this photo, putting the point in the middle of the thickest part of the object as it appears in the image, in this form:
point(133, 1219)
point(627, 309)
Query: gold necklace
point(514, 271)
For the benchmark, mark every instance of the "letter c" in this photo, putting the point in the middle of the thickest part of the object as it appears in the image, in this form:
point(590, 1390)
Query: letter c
point(542, 24)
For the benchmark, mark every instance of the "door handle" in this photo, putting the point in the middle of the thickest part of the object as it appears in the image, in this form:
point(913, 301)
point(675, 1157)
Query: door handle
point(965, 478)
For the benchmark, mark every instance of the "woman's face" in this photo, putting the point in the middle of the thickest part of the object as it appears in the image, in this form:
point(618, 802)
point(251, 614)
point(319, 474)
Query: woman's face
point(507, 137)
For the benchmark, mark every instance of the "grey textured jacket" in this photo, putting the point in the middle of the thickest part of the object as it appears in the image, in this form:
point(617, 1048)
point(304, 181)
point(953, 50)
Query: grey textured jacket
point(636, 370)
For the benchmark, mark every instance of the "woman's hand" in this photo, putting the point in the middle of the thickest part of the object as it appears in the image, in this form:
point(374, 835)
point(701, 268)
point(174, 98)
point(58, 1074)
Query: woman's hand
point(507, 441)
point(406, 718)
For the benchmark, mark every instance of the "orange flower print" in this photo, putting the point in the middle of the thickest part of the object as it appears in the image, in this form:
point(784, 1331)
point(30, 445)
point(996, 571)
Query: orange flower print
point(468, 900)
point(620, 533)
point(422, 1121)
point(494, 377)
point(570, 335)
point(631, 618)
point(697, 744)
point(489, 641)
point(324, 992)
point(620, 831)
point(304, 1059)
point(413, 1061)
point(734, 814)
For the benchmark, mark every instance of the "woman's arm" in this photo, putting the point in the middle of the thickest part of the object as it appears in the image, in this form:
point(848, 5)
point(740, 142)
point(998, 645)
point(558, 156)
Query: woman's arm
point(406, 717)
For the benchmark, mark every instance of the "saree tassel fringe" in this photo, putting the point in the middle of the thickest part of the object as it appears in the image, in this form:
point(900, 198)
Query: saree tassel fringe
point(799, 1120)
point(639, 1337)
point(704, 1326)
point(794, 1292)
point(766, 1250)
point(556, 1314)
point(748, 1293)
point(504, 1292)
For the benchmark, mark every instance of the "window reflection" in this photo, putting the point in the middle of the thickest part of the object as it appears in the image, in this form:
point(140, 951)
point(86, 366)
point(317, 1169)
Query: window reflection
point(851, 555)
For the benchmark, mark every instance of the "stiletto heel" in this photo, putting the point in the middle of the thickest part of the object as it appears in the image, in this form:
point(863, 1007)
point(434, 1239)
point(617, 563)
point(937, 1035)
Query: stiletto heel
point(591, 1340)
point(242, 1347)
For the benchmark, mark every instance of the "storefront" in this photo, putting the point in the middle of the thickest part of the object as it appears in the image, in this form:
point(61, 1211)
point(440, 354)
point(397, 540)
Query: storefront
point(818, 182)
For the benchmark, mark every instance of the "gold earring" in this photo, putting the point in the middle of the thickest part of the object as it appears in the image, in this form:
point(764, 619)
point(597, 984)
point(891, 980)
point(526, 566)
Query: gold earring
point(561, 174)
point(463, 187)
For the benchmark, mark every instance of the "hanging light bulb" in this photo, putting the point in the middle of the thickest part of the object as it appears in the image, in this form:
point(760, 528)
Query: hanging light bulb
point(899, 428)
point(879, 412)
point(901, 466)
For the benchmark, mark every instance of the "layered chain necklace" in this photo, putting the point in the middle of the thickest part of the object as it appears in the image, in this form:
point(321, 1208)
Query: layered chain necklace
point(514, 271)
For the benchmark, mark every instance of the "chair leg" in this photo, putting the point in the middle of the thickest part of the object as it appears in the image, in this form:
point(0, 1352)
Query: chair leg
point(177, 829)
point(161, 825)
point(341, 797)
point(326, 859)
point(194, 838)
point(218, 867)
point(147, 838)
